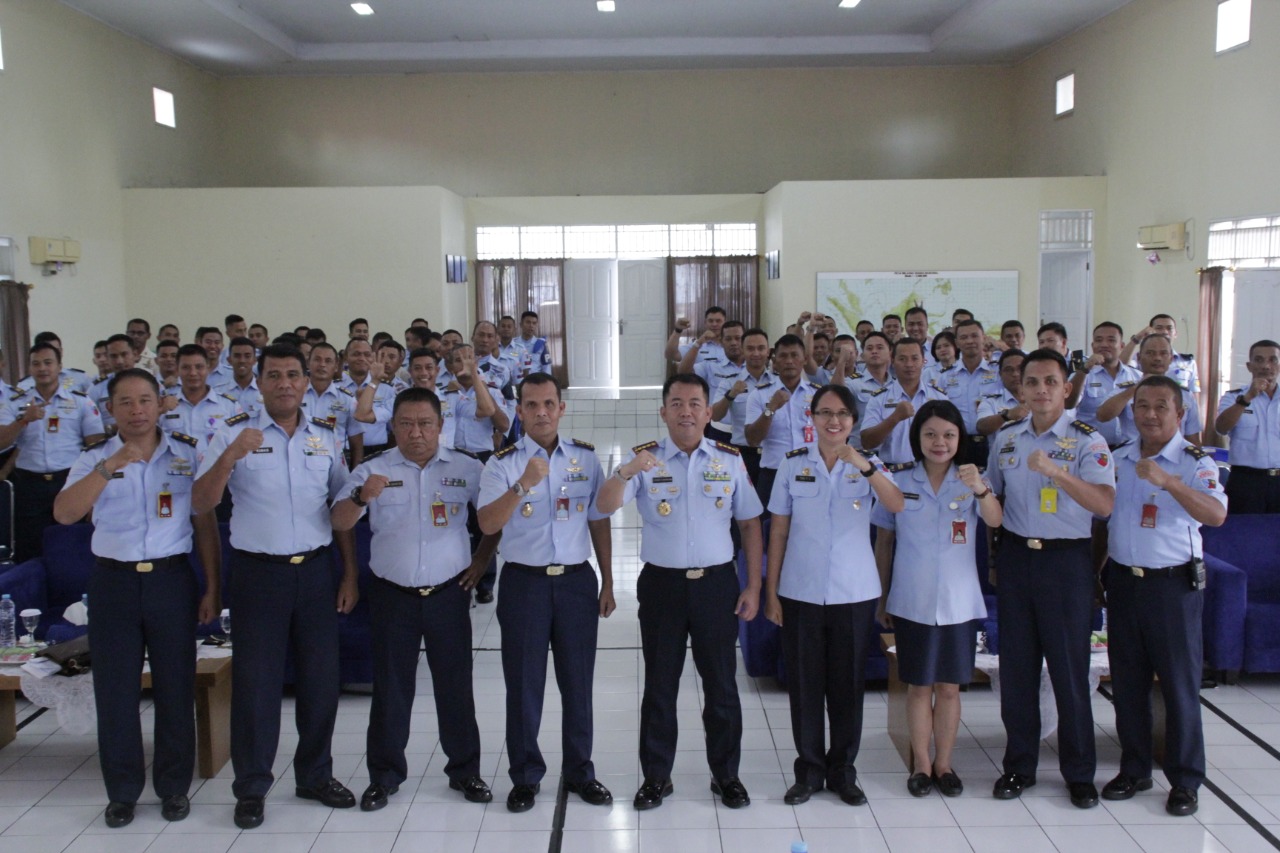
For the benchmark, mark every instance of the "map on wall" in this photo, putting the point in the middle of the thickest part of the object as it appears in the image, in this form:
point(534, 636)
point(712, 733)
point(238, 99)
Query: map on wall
point(992, 296)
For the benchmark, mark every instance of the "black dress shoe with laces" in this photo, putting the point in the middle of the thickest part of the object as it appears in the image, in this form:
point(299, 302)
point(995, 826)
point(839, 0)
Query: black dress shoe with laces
point(919, 785)
point(484, 596)
point(175, 807)
point(1124, 786)
point(797, 794)
point(249, 812)
point(1011, 785)
point(731, 792)
point(652, 793)
point(522, 797)
point(333, 794)
point(593, 792)
point(948, 784)
point(1083, 794)
point(375, 796)
point(118, 814)
point(1182, 802)
point(473, 789)
point(851, 794)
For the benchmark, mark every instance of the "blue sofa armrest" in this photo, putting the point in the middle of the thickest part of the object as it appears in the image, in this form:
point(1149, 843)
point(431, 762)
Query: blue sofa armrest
point(1225, 599)
point(25, 583)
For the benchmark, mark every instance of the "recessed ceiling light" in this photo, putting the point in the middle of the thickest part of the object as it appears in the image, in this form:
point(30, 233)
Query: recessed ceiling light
point(362, 8)
point(605, 5)
point(849, 4)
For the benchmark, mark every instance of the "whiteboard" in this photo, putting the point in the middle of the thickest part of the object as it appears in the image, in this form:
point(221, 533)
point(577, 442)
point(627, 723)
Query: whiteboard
point(992, 296)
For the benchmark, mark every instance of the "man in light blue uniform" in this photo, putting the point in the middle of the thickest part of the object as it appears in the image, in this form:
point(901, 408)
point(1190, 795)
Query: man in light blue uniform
point(243, 387)
point(327, 400)
point(778, 415)
point(417, 495)
point(970, 379)
point(1103, 375)
point(887, 428)
point(283, 470)
point(688, 490)
point(1153, 353)
point(1055, 475)
point(138, 487)
point(1166, 488)
point(1251, 418)
point(729, 399)
point(1182, 366)
point(996, 410)
point(374, 398)
point(196, 410)
point(536, 355)
point(873, 374)
point(714, 373)
point(540, 494)
point(120, 356)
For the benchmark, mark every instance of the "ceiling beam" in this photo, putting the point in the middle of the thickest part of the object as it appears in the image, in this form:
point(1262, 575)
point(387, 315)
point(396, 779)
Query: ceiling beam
point(966, 16)
point(263, 29)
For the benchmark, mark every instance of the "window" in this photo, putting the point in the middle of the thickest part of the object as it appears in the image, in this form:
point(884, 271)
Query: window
point(164, 107)
point(1062, 230)
point(1065, 94)
point(6, 259)
point(616, 241)
point(1233, 23)
point(1, 54)
point(1248, 243)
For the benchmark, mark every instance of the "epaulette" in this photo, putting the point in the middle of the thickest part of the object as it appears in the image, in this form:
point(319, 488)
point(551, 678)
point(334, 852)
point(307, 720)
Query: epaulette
point(184, 438)
point(466, 452)
point(346, 391)
point(1236, 391)
point(504, 452)
point(799, 451)
point(236, 419)
point(1011, 423)
point(935, 386)
point(1128, 384)
point(648, 445)
point(992, 396)
point(227, 396)
point(855, 375)
point(320, 422)
point(18, 395)
point(728, 448)
point(895, 467)
point(1197, 452)
point(580, 443)
point(75, 370)
point(879, 391)
point(91, 445)
point(1084, 427)
point(81, 393)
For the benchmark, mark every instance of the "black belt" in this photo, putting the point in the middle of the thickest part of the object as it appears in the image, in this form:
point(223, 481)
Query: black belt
point(1180, 572)
point(1261, 472)
point(1044, 544)
point(290, 559)
point(144, 566)
point(46, 476)
point(693, 574)
point(552, 571)
point(420, 591)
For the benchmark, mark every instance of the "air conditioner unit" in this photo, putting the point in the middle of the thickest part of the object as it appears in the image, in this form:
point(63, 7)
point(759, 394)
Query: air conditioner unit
point(1160, 237)
point(51, 250)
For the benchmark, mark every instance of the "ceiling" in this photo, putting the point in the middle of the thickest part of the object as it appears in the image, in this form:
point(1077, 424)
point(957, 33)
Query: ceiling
point(238, 37)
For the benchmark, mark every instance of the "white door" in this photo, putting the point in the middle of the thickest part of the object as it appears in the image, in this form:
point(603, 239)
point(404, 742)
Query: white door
point(1066, 296)
point(1255, 317)
point(642, 290)
point(591, 312)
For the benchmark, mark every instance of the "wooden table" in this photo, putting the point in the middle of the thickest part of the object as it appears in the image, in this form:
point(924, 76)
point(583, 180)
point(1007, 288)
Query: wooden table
point(213, 712)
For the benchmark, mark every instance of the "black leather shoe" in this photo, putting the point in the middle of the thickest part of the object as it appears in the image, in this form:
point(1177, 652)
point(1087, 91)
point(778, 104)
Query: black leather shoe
point(333, 794)
point(1123, 787)
point(797, 794)
point(175, 807)
point(852, 795)
point(522, 797)
point(249, 812)
point(375, 796)
point(473, 789)
point(593, 793)
point(484, 596)
point(118, 814)
point(652, 793)
point(919, 785)
point(949, 784)
point(1182, 802)
point(1083, 794)
point(731, 792)
point(1011, 785)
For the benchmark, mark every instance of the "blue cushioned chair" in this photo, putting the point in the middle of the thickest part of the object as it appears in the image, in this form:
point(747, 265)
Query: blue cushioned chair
point(1242, 605)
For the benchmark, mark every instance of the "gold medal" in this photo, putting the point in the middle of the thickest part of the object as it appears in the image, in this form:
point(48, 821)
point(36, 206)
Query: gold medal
point(526, 510)
point(857, 504)
point(453, 510)
point(581, 506)
point(664, 508)
point(719, 503)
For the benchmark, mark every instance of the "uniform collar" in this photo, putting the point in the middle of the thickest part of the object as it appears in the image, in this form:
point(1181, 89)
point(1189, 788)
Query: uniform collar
point(168, 444)
point(264, 422)
point(1172, 450)
point(667, 448)
point(983, 364)
point(528, 445)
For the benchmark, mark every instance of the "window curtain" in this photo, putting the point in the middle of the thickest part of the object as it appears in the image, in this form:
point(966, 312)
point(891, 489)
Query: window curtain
point(15, 328)
point(1208, 350)
point(513, 287)
point(695, 284)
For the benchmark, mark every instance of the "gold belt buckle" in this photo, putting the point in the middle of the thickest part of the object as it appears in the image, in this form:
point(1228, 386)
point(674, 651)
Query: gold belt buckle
point(695, 574)
point(555, 571)
point(1271, 472)
point(1035, 544)
point(144, 567)
point(296, 559)
point(48, 478)
point(424, 591)
point(1138, 571)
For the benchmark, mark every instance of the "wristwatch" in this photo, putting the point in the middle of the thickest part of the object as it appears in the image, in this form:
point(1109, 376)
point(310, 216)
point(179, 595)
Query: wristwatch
point(1004, 415)
point(768, 412)
point(355, 496)
point(617, 473)
point(101, 470)
point(519, 490)
point(1241, 401)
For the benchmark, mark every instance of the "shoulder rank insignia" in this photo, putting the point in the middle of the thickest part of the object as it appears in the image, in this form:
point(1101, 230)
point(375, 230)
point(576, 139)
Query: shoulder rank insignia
point(18, 395)
point(92, 444)
point(895, 467)
point(855, 375)
point(229, 397)
point(1011, 423)
point(648, 445)
point(320, 422)
point(728, 448)
point(75, 370)
point(879, 391)
point(1236, 391)
point(1197, 452)
point(466, 452)
point(184, 438)
point(346, 391)
point(799, 451)
point(1129, 384)
point(504, 452)
point(580, 443)
point(81, 393)
point(1084, 427)
point(237, 419)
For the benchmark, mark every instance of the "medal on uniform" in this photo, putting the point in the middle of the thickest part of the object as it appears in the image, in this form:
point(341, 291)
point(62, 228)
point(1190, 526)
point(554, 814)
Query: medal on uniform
point(581, 506)
point(958, 528)
point(1149, 513)
point(439, 516)
point(562, 505)
point(857, 505)
point(526, 510)
point(453, 510)
point(1049, 499)
point(164, 503)
point(331, 420)
point(808, 433)
point(719, 503)
point(53, 422)
point(664, 508)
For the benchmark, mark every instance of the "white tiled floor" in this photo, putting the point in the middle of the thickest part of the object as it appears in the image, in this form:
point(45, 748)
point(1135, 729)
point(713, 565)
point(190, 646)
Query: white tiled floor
point(51, 795)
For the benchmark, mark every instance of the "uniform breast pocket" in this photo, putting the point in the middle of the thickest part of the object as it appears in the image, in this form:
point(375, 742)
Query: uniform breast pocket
point(262, 461)
point(1094, 391)
point(848, 488)
point(804, 489)
point(394, 496)
point(179, 484)
point(912, 503)
point(1247, 426)
point(319, 461)
point(1009, 461)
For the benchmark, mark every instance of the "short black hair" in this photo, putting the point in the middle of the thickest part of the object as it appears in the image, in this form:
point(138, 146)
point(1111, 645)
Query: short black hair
point(917, 309)
point(874, 334)
point(285, 338)
point(420, 352)
point(943, 336)
point(1011, 353)
point(96, 346)
point(47, 338)
point(960, 311)
point(192, 349)
point(208, 330)
point(789, 340)
point(687, 379)
point(378, 337)
point(861, 322)
point(714, 309)
point(533, 314)
point(231, 318)
point(907, 342)
point(890, 317)
point(1161, 382)
point(173, 326)
point(1107, 324)
point(755, 330)
point(735, 324)
point(419, 321)
point(1046, 355)
point(144, 323)
point(263, 328)
point(480, 323)
point(1161, 335)
point(842, 392)
point(280, 351)
point(120, 338)
point(357, 322)
point(162, 344)
point(506, 317)
point(43, 346)
point(316, 336)
point(1264, 344)
point(944, 409)
point(1170, 317)
point(459, 334)
point(241, 342)
point(823, 335)
point(417, 395)
point(1055, 327)
point(301, 331)
point(1012, 324)
point(132, 373)
point(417, 333)
point(537, 379)
point(391, 343)
point(970, 322)
point(321, 345)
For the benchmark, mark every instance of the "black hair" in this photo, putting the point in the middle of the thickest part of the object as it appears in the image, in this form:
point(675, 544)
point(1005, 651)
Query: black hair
point(120, 338)
point(1055, 327)
point(735, 324)
point(132, 373)
point(890, 317)
point(714, 309)
point(1264, 343)
point(144, 323)
point(280, 351)
point(943, 336)
point(917, 309)
point(192, 349)
point(789, 340)
point(167, 342)
point(970, 322)
point(417, 395)
point(907, 342)
point(231, 318)
point(316, 336)
point(881, 335)
point(755, 330)
point(944, 409)
point(533, 314)
point(264, 329)
point(357, 322)
point(1107, 324)
point(207, 330)
point(1011, 353)
point(689, 379)
point(537, 379)
point(1046, 355)
point(1161, 382)
point(391, 343)
point(421, 352)
point(1152, 321)
point(1161, 335)
point(842, 392)
point(316, 347)
point(1012, 324)
point(241, 342)
point(43, 346)
point(285, 338)
point(47, 338)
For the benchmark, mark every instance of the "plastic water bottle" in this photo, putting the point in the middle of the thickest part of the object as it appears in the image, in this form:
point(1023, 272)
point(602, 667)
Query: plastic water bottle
point(8, 623)
point(84, 599)
point(799, 847)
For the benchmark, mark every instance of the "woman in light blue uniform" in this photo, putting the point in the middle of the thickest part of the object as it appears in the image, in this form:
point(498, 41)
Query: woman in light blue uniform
point(931, 591)
point(822, 589)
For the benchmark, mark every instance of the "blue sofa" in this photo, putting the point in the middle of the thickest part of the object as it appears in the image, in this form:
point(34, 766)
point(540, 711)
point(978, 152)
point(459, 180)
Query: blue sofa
point(1242, 603)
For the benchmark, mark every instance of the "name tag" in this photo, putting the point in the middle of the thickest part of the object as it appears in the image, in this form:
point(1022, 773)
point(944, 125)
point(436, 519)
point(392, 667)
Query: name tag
point(395, 484)
point(449, 481)
point(265, 450)
point(172, 417)
point(805, 478)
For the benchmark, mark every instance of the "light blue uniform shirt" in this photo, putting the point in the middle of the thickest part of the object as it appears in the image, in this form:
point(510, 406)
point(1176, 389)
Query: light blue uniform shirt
point(69, 378)
point(1099, 386)
point(787, 426)
point(337, 406)
point(280, 493)
point(737, 415)
point(535, 357)
point(967, 388)
point(249, 399)
point(897, 447)
point(828, 558)
point(710, 351)
point(1182, 369)
point(1175, 539)
point(1083, 451)
point(54, 443)
point(863, 385)
point(201, 420)
point(554, 532)
point(703, 491)
point(994, 404)
point(935, 578)
point(471, 433)
point(449, 420)
point(1255, 439)
point(409, 547)
point(1190, 417)
point(383, 400)
point(127, 521)
point(98, 394)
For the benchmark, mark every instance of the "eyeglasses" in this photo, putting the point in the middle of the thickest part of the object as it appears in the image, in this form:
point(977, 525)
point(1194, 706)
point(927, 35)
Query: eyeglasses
point(828, 414)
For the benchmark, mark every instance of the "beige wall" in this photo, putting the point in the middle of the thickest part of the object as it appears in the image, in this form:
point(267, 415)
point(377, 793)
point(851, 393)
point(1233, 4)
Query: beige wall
point(76, 97)
point(1179, 132)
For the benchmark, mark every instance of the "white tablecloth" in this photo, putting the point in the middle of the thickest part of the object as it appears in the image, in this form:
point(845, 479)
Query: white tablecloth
point(1099, 665)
